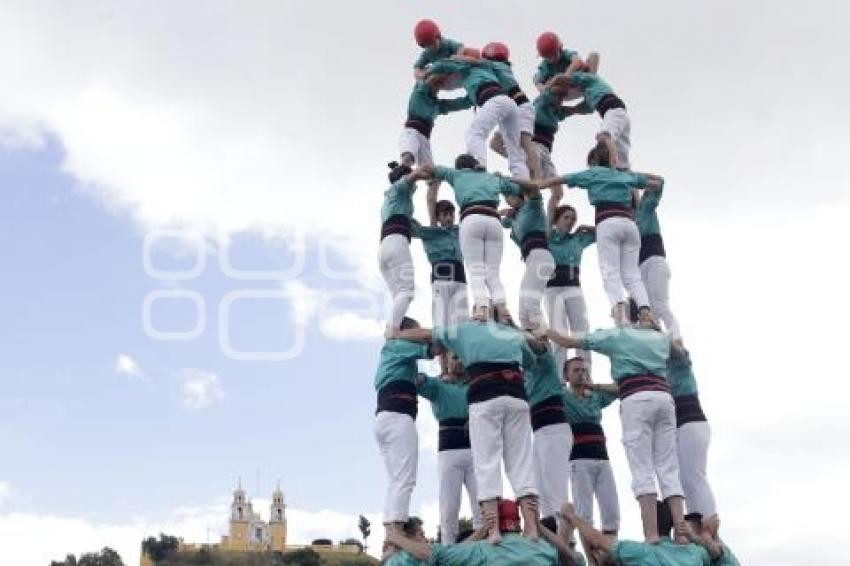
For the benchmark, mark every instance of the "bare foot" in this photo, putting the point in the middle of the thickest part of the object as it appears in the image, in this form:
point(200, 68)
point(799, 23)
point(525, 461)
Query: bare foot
point(494, 537)
point(653, 540)
point(530, 531)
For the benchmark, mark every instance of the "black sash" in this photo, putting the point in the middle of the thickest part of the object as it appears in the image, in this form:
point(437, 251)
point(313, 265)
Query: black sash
point(485, 207)
point(519, 97)
point(632, 384)
point(421, 125)
point(398, 396)
point(454, 434)
point(544, 135)
point(651, 245)
point(547, 412)
point(565, 276)
point(608, 102)
point(490, 380)
point(396, 224)
point(487, 91)
point(606, 210)
point(688, 410)
point(588, 442)
point(532, 241)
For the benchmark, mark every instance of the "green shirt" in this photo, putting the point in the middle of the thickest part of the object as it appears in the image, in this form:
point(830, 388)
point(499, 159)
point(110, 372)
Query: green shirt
point(476, 186)
point(665, 553)
point(547, 70)
point(567, 248)
point(448, 400)
point(632, 351)
point(505, 74)
point(441, 244)
point(447, 48)
point(475, 342)
point(680, 375)
point(548, 111)
point(586, 409)
point(398, 200)
point(513, 550)
point(398, 362)
point(542, 380)
point(645, 216)
point(473, 75)
point(404, 558)
point(594, 88)
point(605, 184)
point(727, 558)
point(424, 103)
point(530, 217)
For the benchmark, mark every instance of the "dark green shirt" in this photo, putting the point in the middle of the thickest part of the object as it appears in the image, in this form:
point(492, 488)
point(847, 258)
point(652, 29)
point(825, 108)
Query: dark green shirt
point(441, 244)
point(448, 400)
point(447, 48)
point(645, 216)
point(530, 217)
point(424, 103)
point(476, 186)
point(586, 409)
point(398, 362)
point(567, 248)
point(547, 70)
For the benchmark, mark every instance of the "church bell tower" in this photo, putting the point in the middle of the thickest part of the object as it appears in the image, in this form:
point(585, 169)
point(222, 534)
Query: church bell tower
point(277, 521)
point(241, 513)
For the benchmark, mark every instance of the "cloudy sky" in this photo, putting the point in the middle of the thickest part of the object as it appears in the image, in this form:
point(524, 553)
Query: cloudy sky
point(189, 227)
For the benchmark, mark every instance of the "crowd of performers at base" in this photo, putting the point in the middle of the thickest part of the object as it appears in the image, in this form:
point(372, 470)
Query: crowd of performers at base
point(509, 395)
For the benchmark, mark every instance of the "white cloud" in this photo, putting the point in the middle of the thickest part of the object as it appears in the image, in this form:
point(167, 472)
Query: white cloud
point(351, 326)
point(201, 389)
point(6, 493)
point(127, 367)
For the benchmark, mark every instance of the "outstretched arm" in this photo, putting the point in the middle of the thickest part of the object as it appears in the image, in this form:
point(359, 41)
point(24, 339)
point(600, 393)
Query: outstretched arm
point(610, 388)
point(419, 550)
point(590, 535)
point(567, 556)
point(561, 340)
point(653, 182)
point(423, 335)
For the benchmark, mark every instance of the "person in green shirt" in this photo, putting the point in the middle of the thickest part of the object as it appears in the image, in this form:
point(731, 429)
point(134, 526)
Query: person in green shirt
point(638, 357)
point(592, 474)
point(395, 556)
point(394, 259)
point(481, 239)
point(529, 230)
point(493, 355)
point(434, 46)
point(617, 238)
point(495, 109)
point(558, 60)
point(454, 458)
point(566, 308)
point(395, 426)
point(654, 269)
point(705, 533)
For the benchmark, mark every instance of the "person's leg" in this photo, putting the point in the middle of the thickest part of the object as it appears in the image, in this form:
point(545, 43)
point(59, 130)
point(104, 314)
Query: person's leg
point(396, 266)
point(408, 146)
point(471, 488)
point(606, 497)
point(551, 449)
point(693, 441)
point(664, 454)
point(629, 254)
point(451, 485)
point(582, 484)
point(484, 121)
point(497, 144)
point(471, 235)
point(492, 259)
point(576, 311)
point(617, 125)
point(526, 115)
point(519, 466)
point(556, 314)
point(539, 267)
point(458, 304)
point(636, 414)
point(509, 126)
point(608, 241)
point(485, 436)
point(655, 272)
point(399, 446)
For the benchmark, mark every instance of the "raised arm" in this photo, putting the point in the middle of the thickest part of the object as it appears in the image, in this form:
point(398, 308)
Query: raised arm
point(447, 105)
point(423, 335)
point(555, 196)
point(590, 535)
point(567, 556)
point(561, 340)
point(420, 550)
point(431, 202)
point(609, 388)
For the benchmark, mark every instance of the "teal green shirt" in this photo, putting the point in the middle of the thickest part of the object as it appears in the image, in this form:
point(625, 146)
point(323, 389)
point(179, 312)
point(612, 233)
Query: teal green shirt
point(548, 111)
point(727, 558)
point(547, 70)
point(447, 48)
point(586, 409)
point(398, 199)
point(665, 553)
point(680, 375)
point(632, 351)
point(475, 342)
point(398, 362)
point(513, 550)
point(530, 217)
point(404, 558)
point(605, 184)
point(645, 216)
point(424, 103)
point(505, 74)
point(473, 75)
point(594, 88)
point(542, 380)
point(448, 400)
point(476, 186)
point(441, 244)
point(567, 248)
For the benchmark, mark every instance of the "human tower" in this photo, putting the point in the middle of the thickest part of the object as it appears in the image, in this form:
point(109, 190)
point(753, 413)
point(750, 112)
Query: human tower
point(510, 394)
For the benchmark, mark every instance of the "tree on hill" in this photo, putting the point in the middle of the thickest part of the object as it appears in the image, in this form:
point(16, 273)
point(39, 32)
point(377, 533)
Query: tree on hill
point(365, 530)
point(106, 557)
point(160, 549)
point(303, 557)
point(352, 542)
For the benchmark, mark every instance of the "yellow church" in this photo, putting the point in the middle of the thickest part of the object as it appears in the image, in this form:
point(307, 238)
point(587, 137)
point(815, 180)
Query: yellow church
point(248, 532)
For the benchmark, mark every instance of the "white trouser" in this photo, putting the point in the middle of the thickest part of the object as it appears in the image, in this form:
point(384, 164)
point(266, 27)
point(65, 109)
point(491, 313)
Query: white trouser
point(617, 124)
point(618, 246)
point(649, 437)
point(693, 439)
point(655, 272)
point(552, 445)
point(546, 164)
point(399, 445)
point(499, 429)
point(413, 142)
point(567, 313)
point(526, 118)
point(539, 267)
point(481, 246)
point(498, 111)
point(449, 304)
point(595, 477)
point(456, 470)
point(396, 266)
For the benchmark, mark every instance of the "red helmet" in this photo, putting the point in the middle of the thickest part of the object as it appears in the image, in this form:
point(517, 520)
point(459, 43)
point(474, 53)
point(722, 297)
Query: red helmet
point(470, 52)
point(508, 516)
point(548, 44)
point(426, 32)
point(496, 51)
